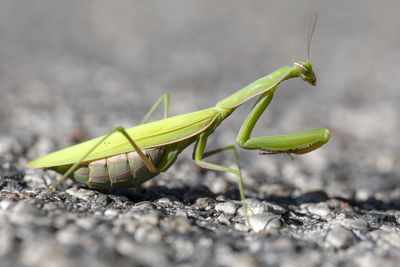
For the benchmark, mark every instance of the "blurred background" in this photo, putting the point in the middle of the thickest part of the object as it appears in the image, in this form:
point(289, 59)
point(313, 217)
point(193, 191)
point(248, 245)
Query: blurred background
point(71, 70)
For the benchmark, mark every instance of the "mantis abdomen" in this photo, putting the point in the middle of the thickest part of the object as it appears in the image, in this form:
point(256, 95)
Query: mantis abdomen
point(119, 171)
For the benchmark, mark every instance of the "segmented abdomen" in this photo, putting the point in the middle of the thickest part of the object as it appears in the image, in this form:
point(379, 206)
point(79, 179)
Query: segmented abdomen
point(119, 171)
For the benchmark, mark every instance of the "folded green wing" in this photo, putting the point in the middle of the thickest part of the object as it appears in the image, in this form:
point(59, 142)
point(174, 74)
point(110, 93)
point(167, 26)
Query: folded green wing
point(153, 134)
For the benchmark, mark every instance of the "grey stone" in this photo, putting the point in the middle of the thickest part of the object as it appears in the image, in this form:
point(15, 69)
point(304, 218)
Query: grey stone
point(149, 218)
point(165, 201)
point(276, 209)
point(228, 208)
point(340, 237)
point(319, 209)
point(354, 223)
point(254, 206)
point(80, 193)
point(70, 235)
point(204, 203)
point(111, 213)
point(87, 223)
point(264, 222)
point(143, 206)
point(178, 223)
point(147, 233)
point(241, 227)
point(6, 204)
point(223, 219)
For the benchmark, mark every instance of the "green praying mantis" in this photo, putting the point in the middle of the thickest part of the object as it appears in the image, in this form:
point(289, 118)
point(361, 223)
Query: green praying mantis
point(128, 157)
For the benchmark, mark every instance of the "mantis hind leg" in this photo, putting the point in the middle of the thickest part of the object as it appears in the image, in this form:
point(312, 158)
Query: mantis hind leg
point(198, 155)
point(297, 143)
point(164, 98)
point(75, 166)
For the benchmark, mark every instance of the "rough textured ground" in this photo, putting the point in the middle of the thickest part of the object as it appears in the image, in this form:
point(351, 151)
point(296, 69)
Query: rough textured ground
point(72, 70)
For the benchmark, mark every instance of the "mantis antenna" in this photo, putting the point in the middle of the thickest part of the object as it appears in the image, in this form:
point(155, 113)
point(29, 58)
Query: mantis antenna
point(310, 34)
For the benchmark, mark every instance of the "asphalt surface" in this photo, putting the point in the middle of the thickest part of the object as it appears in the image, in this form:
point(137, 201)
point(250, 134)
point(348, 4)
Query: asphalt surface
point(72, 70)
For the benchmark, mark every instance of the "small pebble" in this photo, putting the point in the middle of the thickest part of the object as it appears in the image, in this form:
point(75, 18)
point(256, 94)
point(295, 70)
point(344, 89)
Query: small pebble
point(319, 209)
point(150, 218)
point(80, 193)
point(340, 237)
point(354, 223)
point(241, 227)
point(178, 223)
point(203, 203)
point(5, 204)
point(165, 201)
point(228, 207)
point(276, 209)
point(223, 219)
point(181, 224)
point(87, 223)
point(111, 213)
point(69, 235)
point(265, 222)
point(147, 233)
point(254, 206)
point(143, 206)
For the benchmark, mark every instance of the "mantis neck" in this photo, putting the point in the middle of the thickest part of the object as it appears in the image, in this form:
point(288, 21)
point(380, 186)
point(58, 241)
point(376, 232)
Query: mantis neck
point(258, 87)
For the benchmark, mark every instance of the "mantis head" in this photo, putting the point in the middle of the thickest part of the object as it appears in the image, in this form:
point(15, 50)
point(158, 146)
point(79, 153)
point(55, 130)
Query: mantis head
point(304, 70)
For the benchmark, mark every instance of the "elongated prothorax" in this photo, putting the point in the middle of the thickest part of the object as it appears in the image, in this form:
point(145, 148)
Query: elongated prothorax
point(302, 69)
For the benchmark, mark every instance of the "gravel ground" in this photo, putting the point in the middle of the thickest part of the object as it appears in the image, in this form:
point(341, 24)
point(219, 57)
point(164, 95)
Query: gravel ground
point(71, 70)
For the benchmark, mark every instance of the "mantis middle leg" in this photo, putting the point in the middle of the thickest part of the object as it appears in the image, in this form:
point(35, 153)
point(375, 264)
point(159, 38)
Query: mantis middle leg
point(198, 155)
point(165, 98)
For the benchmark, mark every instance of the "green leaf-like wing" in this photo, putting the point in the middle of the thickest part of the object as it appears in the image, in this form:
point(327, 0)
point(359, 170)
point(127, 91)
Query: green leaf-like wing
point(153, 134)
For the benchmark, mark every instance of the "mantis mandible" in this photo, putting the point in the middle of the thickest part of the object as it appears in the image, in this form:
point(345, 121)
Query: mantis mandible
point(129, 157)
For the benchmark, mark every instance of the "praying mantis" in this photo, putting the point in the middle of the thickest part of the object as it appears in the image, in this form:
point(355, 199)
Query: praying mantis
point(128, 157)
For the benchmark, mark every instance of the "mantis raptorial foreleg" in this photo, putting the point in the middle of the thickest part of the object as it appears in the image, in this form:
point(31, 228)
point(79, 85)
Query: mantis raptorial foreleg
point(256, 111)
point(296, 143)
